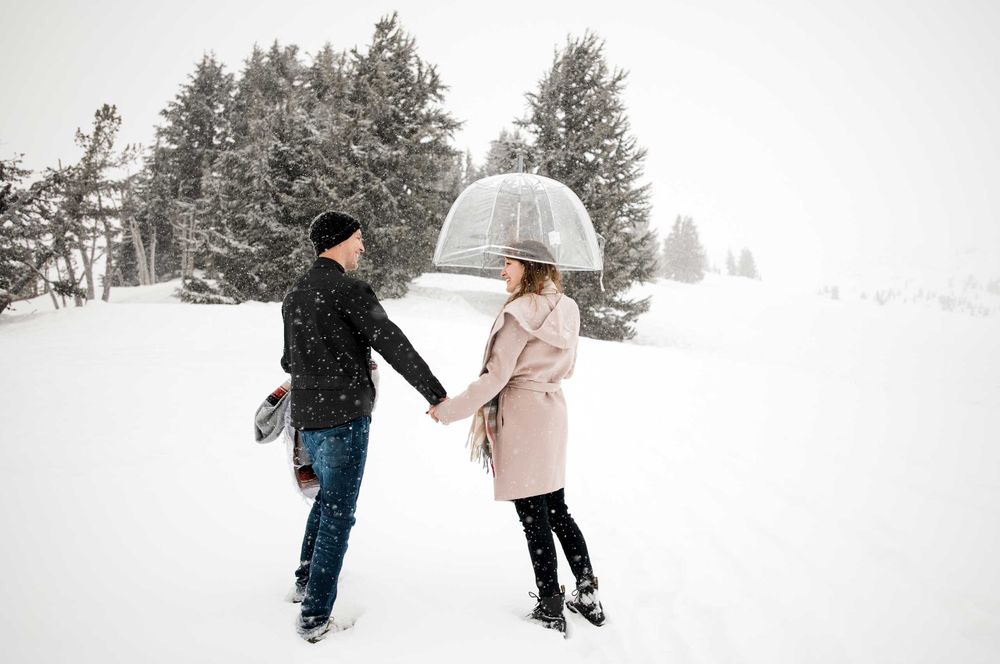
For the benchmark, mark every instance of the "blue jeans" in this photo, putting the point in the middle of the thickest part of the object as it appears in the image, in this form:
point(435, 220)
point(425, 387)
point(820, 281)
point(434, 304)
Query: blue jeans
point(338, 459)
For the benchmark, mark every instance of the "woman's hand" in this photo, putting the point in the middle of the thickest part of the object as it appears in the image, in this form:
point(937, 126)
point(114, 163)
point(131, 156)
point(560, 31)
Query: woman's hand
point(432, 411)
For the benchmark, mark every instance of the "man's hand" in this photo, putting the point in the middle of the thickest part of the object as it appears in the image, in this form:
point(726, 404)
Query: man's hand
point(432, 411)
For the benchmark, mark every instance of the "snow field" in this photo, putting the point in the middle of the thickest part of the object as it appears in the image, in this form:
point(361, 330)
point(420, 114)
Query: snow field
point(761, 477)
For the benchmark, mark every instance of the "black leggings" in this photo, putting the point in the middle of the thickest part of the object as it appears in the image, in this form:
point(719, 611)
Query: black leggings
point(541, 516)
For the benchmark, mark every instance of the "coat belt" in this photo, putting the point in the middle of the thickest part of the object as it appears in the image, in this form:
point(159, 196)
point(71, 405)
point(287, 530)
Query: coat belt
point(534, 386)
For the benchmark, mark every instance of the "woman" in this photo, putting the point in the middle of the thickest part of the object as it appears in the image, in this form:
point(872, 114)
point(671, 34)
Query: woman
point(531, 348)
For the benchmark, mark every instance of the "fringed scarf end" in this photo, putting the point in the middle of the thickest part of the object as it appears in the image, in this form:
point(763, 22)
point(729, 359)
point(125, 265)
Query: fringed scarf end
point(481, 436)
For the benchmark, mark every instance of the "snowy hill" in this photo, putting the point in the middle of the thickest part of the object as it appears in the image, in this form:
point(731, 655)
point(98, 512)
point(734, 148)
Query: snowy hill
point(761, 477)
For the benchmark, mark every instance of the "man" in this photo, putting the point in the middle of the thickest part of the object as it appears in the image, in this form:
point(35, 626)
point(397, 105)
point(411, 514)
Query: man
point(332, 322)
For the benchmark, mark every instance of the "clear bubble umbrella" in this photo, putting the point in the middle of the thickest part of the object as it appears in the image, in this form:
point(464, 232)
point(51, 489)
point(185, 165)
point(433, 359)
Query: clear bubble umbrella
point(518, 215)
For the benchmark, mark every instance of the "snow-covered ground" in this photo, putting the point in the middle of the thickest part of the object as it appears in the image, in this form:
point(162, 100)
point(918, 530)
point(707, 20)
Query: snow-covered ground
point(761, 477)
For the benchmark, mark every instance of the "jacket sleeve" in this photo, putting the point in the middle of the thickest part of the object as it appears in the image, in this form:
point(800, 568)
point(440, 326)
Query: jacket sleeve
point(508, 343)
point(366, 314)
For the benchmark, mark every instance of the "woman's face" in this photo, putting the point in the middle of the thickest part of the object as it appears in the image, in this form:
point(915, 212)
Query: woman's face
point(513, 271)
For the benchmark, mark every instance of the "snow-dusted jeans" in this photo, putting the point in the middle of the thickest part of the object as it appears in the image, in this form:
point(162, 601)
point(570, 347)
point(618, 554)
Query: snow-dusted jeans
point(338, 457)
point(540, 517)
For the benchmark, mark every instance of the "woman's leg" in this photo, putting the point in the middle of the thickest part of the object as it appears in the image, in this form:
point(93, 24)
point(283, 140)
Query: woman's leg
point(533, 513)
point(584, 600)
point(570, 536)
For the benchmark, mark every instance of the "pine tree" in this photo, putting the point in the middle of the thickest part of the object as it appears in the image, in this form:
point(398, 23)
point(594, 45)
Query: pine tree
point(325, 148)
point(19, 232)
point(89, 208)
point(134, 261)
point(399, 157)
point(731, 267)
point(15, 231)
point(582, 139)
point(361, 132)
point(258, 244)
point(34, 233)
point(504, 153)
point(150, 198)
point(683, 255)
point(470, 172)
point(194, 134)
point(747, 266)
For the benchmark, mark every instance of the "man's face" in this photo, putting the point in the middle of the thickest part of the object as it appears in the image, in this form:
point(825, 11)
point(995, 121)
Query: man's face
point(354, 246)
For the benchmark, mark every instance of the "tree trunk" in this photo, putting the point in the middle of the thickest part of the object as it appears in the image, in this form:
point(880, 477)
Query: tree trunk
point(152, 257)
point(68, 259)
point(139, 249)
point(108, 263)
point(189, 247)
point(59, 278)
point(52, 294)
point(88, 270)
point(108, 249)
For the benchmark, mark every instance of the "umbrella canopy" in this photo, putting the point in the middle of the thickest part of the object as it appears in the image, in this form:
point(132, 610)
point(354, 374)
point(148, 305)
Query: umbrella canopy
point(518, 215)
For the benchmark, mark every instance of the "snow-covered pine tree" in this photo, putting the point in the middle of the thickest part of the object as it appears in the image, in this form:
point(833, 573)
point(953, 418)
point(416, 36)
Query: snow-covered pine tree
point(258, 245)
point(133, 260)
point(453, 179)
point(731, 268)
point(504, 152)
point(89, 207)
point(15, 258)
point(683, 254)
point(194, 133)
point(154, 208)
point(22, 228)
point(470, 172)
point(582, 139)
point(747, 266)
point(399, 157)
point(325, 152)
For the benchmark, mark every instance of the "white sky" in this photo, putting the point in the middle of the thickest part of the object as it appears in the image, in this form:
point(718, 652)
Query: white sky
point(831, 138)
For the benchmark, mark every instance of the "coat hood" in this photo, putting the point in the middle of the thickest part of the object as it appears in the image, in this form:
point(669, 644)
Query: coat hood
point(557, 325)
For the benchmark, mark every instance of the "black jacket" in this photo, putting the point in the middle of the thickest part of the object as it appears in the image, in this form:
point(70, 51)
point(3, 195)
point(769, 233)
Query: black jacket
point(332, 322)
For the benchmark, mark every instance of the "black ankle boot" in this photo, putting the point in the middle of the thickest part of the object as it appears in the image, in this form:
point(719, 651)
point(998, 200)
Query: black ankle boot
point(549, 612)
point(586, 602)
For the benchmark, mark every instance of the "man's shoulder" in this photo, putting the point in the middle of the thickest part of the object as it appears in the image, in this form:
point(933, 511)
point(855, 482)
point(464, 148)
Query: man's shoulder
point(320, 277)
point(330, 280)
point(357, 286)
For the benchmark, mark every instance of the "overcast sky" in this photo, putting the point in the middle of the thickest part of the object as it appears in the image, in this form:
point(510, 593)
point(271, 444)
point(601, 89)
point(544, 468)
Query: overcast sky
point(829, 137)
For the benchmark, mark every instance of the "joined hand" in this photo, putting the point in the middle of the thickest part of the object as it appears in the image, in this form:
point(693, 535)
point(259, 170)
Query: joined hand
point(432, 411)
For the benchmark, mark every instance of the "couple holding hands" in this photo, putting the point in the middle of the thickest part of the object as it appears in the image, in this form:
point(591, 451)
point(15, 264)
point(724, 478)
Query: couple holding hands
point(331, 323)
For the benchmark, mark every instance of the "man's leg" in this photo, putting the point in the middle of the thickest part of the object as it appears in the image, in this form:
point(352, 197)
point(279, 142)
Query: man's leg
point(338, 456)
point(308, 544)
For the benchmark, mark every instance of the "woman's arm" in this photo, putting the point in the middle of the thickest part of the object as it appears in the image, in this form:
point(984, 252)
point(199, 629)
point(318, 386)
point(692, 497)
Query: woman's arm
point(508, 343)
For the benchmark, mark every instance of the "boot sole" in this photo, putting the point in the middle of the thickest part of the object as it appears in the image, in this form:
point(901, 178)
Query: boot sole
point(331, 628)
point(562, 629)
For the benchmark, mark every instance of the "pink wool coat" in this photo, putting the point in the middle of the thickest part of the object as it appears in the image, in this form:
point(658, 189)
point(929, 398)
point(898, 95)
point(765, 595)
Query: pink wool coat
point(531, 348)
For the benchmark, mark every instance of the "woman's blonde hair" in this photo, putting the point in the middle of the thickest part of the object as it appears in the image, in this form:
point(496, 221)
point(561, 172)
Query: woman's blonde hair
point(535, 273)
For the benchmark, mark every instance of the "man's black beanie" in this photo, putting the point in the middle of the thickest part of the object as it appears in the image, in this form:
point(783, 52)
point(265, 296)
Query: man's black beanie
point(330, 228)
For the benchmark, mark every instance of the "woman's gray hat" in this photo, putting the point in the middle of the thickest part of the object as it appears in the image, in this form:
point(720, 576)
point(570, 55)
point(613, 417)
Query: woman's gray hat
point(330, 228)
point(528, 250)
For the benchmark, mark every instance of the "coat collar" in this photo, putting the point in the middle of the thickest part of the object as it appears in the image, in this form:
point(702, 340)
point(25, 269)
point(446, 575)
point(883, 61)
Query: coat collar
point(548, 288)
point(328, 264)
